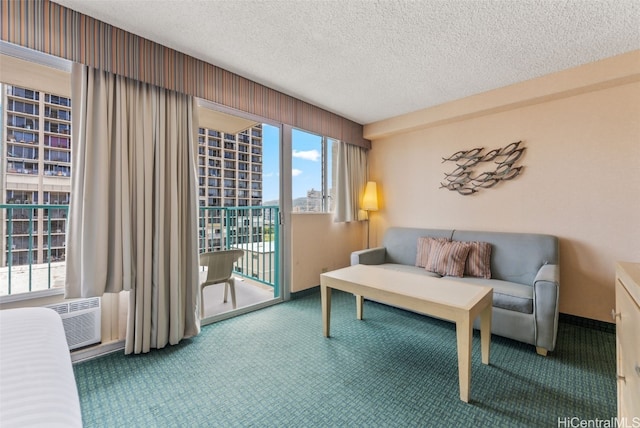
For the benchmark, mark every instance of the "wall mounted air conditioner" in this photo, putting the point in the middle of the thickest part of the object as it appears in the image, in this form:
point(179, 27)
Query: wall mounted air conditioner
point(81, 320)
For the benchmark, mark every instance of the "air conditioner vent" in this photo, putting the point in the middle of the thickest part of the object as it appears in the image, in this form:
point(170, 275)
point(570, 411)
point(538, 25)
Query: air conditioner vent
point(61, 309)
point(83, 304)
point(81, 320)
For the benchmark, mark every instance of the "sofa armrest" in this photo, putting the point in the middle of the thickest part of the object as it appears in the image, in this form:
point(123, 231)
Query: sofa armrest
point(548, 273)
point(546, 291)
point(371, 256)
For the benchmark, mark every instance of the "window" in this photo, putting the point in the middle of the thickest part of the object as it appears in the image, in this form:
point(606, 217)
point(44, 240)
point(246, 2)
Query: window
point(21, 197)
point(54, 99)
point(19, 151)
point(59, 142)
point(22, 107)
point(37, 159)
point(56, 156)
point(24, 93)
point(312, 172)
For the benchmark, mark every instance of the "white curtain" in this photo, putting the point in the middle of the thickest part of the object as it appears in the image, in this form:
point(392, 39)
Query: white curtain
point(133, 214)
point(351, 180)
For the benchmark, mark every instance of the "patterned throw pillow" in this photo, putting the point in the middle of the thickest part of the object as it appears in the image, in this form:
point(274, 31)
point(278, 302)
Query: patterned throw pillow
point(479, 260)
point(424, 244)
point(448, 258)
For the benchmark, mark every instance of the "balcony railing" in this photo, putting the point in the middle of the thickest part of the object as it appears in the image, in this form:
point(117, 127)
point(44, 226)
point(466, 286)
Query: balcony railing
point(33, 245)
point(254, 229)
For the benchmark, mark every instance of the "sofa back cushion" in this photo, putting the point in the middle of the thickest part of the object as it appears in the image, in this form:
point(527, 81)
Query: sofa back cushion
point(515, 257)
point(447, 258)
point(424, 248)
point(478, 264)
point(401, 243)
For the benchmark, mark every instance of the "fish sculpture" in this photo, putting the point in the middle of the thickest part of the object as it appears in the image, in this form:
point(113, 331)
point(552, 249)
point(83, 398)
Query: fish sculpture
point(461, 179)
point(464, 154)
point(512, 157)
point(490, 155)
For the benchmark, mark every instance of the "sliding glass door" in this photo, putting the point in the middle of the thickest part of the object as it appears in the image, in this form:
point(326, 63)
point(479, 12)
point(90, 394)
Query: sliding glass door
point(252, 178)
point(239, 196)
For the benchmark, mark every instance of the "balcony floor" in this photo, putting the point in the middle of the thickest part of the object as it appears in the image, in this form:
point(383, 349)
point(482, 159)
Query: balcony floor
point(248, 293)
point(39, 277)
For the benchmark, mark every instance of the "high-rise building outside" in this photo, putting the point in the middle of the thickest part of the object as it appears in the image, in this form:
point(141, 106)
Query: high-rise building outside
point(230, 176)
point(230, 168)
point(314, 201)
point(36, 169)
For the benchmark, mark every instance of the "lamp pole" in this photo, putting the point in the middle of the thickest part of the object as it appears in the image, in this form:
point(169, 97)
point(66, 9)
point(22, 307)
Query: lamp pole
point(368, 224)
point(370, 203)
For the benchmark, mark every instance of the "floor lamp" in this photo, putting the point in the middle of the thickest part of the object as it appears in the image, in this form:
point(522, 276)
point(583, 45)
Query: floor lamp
point(370, 202)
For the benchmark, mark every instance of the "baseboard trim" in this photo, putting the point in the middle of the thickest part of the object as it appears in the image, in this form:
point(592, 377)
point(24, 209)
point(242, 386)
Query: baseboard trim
point(305, 292)
point(91, 352)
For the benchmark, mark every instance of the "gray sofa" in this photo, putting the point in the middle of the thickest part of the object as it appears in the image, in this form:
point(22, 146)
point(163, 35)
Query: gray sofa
point(525, 276)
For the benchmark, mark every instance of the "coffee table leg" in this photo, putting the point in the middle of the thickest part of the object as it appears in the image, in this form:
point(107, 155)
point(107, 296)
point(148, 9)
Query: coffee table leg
point(325, 297)
point(485, 333)
point(463, 333)
point(359, 306)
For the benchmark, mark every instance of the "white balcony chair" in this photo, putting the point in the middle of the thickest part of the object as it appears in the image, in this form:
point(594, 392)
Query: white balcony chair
point(219, 270)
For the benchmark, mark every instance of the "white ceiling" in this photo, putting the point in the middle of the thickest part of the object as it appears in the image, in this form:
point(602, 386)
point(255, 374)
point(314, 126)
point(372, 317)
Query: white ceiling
point(370, 60)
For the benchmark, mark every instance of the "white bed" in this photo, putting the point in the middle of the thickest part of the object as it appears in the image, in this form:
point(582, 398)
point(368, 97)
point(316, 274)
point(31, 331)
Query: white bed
point(37, 385)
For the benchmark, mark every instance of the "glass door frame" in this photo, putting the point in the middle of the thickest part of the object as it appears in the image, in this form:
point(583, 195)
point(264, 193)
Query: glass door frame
point(285, 206)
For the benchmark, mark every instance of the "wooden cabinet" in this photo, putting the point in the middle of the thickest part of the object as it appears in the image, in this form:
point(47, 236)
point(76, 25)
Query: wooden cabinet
point(627, 317)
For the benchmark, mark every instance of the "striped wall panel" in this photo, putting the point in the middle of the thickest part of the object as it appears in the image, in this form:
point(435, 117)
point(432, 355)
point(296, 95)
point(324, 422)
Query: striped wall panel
point(48, 27)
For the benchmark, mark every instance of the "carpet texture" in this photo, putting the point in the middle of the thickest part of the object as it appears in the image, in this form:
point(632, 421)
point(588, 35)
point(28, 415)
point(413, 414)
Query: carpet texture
point(273, 368)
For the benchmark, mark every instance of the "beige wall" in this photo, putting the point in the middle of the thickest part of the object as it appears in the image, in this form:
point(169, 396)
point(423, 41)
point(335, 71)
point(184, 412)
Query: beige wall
point(581, 179)
point(318, 244)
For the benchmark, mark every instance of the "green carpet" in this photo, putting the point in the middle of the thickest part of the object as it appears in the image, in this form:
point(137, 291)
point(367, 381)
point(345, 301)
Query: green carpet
point(273, 368)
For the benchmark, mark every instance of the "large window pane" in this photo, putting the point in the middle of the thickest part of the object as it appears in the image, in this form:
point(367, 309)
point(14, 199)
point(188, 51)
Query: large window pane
point(312, 172)
point(306, 172)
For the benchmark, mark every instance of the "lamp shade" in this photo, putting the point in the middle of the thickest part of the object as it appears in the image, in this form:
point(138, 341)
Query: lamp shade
point(370, 199)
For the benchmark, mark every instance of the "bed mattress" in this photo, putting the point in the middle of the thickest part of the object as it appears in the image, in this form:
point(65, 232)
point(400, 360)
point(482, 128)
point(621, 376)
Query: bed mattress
point(37, 385)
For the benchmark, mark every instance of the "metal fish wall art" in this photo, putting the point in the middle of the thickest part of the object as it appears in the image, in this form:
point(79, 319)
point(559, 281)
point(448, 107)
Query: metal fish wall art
point(465, 180)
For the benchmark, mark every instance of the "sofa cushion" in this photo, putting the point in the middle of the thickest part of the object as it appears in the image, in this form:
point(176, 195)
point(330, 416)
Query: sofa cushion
point(400, 242)
point(447, 258)
point(506, 295)
point(515, 257)
point(479, 260)
point(423, 248)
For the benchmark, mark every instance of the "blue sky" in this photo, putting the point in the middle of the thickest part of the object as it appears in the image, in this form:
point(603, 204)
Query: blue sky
point(306, 159)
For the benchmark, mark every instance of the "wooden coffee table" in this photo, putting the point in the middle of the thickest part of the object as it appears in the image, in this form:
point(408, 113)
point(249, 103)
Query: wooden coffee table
point(440, 297)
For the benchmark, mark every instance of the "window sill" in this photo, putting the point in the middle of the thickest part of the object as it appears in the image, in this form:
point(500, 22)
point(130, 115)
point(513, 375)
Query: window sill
point(311, 213)
point(31, 295)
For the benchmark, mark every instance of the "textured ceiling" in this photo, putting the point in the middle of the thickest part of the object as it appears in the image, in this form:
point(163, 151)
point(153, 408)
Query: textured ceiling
point(370, 60)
